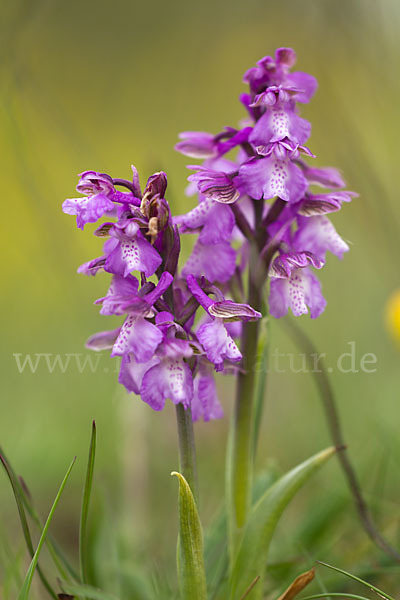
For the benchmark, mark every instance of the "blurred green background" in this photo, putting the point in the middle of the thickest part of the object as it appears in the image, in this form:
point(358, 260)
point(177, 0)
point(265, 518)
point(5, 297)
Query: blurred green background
point(102, 85)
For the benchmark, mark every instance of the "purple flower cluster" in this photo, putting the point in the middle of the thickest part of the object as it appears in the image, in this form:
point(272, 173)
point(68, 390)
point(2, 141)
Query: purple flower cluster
point(166, 351)
point(165, 354)
point(268, 165)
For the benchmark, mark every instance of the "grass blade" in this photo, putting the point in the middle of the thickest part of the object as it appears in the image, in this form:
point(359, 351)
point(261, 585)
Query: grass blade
point(335, 595)
point(64, 568)
point(355, 578)
point(24, 592)
point(83, 537)
point(16, 487)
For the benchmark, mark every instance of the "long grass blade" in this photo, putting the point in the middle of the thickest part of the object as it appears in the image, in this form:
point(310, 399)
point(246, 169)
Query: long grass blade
point(335, 595)
point(24, 592)
point(83, 535)
point(62, 564)
point(355, 578)
point(16, 488)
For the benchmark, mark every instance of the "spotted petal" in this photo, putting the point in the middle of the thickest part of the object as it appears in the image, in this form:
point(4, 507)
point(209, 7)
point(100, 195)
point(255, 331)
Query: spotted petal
point(300, 292)
point(133, 254)
point(270, 177)
point(217, 343)
point(280, 123)
point(138, 336)
point(171, 378)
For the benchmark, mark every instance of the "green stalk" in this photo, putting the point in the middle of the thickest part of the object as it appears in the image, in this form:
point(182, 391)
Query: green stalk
point(240, 453)
point(242, 432)
point(187, 449)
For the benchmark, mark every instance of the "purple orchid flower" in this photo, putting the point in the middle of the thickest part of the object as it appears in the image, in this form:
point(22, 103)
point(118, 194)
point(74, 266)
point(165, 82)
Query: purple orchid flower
point(216, 185)
point(214, 221)
point(320, 204)
point(213, 335)
point(275, 72)
point(127, 250)
point(279, 123)
point(216, 262)
point(295, 286)
point(318, 235)
point(205, 402)
point(270, 177)
point(171, 377)
point(137, 335)
point(197, 144)
point(328, 177)
point(100, 198)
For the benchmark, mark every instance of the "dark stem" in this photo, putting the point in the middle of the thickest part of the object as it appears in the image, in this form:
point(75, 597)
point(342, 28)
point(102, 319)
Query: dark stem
point(332, 415)
point(242, 222)
point(187, 449)
point(274, 212)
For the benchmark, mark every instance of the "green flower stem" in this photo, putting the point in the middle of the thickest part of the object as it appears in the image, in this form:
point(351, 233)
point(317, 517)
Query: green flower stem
point(242, 443)
point(187, 449)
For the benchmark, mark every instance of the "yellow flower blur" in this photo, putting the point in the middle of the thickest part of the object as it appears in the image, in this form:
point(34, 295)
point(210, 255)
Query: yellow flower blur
point(393, 315)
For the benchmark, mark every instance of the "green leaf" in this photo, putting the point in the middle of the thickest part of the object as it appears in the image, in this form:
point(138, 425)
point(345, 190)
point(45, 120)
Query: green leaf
point(16, 487)
point(191, 574)
point(24, 592)
point(83, 537)
point(368, 585)
point(251, 557)
point(88, 592)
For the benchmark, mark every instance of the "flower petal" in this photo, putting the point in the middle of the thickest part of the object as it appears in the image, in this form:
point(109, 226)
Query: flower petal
point(284, 264)
point(88, 210)
point(104, 340)
point(270, 177)
point(197, 144)
point(172, 379)
point(277, 124)
point(217, 343)
point(138, 336)
point(216, 262)
point(325, 176)
point(131, 372)
point(300, 291)
point(205, 403)
point(133, 254)
point(215, 185)
point(317, 234)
